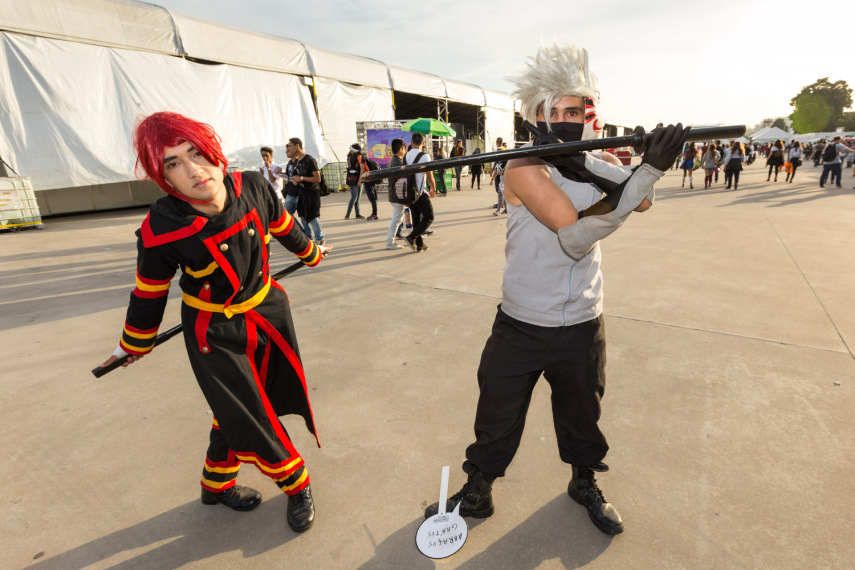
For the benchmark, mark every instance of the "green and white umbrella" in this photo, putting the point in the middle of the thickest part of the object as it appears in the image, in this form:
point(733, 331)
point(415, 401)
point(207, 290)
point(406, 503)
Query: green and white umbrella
point(432, 126)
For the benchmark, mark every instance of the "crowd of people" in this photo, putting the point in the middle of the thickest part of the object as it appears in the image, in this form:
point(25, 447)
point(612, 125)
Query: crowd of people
point(731, 158)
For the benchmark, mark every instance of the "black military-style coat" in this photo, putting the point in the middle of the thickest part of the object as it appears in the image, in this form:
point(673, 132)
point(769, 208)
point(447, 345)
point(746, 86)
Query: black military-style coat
point(237, 322)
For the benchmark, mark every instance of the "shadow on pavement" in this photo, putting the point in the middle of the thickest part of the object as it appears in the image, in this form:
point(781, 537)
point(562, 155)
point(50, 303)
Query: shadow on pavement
point(189, 533)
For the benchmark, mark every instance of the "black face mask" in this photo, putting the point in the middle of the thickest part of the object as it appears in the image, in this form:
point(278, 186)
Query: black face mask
point(567, 132)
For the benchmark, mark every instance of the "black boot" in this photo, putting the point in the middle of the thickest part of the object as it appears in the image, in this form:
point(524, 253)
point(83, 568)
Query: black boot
point(476, 499)
point(584, 490)
point(301, 510)
point(237, 498)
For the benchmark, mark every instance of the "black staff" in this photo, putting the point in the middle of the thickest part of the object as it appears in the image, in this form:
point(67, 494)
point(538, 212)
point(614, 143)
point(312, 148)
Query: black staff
point(99, 371)
point(638, 140)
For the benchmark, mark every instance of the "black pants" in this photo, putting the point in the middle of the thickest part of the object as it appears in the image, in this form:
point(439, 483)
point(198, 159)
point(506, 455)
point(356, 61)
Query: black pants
point(458, 170)
point(422, 211)
point(573, 361)
point(731, 176)
point(440, 183)
point(372, 196)
point(476, 175)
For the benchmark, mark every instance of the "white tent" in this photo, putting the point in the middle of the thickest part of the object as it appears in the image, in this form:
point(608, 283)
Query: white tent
point(770, 134)
point(75, 76)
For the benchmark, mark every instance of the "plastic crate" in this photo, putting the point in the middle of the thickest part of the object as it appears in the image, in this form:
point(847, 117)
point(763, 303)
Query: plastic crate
point(18, 206)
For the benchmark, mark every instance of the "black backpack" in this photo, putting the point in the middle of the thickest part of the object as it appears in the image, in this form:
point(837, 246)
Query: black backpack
point(325, 190)
point(403, 190)
point(830, 153)
point(372, 164)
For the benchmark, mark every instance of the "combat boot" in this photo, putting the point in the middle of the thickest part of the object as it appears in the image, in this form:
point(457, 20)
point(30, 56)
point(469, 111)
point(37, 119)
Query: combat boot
point(475, 498)
point(584, 490)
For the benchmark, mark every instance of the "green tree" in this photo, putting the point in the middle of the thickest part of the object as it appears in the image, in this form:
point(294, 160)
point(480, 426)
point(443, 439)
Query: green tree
point(837, 95)
point(812, 113)
point(847, 122)
point(780, 123)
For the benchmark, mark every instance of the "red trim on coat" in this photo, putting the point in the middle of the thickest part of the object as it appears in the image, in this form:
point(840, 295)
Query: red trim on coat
point(276, 284)
point(151, 240)
point(251, 345)
point(265, 361)
point(237, 177)
point(202, 321)
point(212, 244)
point(148, 281)
point(129, 328)
point(149, 294)
point(289, 353)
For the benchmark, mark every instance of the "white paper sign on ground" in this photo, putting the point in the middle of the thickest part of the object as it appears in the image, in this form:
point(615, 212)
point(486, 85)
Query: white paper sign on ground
point(443, 534)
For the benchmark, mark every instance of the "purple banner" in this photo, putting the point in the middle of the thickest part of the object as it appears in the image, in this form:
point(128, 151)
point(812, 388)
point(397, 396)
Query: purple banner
point(380, 144)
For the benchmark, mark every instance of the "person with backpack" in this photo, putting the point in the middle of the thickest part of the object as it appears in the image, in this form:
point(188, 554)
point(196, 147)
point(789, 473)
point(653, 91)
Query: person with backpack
point(304, 177)
point(422, 208)
point(369, 188)
point(399, 149)
point(831, 161)
point(356, 167)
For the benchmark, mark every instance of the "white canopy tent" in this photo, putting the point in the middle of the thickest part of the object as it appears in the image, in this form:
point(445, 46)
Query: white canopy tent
point(76, 75)
point(770, 134)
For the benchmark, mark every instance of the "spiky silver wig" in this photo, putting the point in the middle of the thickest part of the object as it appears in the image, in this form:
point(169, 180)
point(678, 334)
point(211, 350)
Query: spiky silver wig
point(557, 71)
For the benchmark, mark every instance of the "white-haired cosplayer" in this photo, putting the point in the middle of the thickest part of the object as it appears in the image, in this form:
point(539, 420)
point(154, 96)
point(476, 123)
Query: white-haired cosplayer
point(558, 71)
point(550, 321)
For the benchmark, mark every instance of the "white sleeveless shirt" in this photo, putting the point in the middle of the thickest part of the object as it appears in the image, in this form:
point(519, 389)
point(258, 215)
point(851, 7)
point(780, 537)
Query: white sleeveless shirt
point(541, 284)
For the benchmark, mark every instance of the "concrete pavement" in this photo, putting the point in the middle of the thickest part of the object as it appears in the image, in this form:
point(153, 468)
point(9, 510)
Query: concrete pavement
point(728, 408)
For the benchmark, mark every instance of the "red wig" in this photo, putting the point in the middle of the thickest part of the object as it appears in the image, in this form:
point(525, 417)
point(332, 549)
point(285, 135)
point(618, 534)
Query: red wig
point(161, 130)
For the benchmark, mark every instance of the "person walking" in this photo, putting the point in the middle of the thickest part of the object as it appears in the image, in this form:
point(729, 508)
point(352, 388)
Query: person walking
point(831, 161)
point(776, 159)
point(795, 160)
point(689, 157)
point(457, 152)
point(440, 174)
point(422, 208)
point(710, 162)
point(399, 149)
point(356, 167)
point(734, 165)
point(475, 171)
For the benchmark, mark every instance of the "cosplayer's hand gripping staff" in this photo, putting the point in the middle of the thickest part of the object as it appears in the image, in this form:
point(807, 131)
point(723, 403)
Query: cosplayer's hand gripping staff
point(100, 371)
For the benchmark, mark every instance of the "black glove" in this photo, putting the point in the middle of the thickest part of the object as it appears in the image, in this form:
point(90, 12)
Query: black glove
point(665, 146)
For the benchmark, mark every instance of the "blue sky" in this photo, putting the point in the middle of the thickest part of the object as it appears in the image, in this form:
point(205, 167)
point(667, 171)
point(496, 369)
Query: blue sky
point(732, 62)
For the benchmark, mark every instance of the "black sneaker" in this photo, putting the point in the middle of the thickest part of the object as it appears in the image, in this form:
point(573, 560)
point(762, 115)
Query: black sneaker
point(411, 242)
point(358, 217)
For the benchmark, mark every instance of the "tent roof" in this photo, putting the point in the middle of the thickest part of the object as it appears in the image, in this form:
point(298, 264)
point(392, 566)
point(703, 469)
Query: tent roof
point(136, 25)
point(240, 47)
point(770, 134)
point(112, 23)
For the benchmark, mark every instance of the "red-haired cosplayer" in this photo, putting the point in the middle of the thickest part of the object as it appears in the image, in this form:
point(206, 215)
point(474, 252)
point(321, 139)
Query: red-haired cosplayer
point(214, 227)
